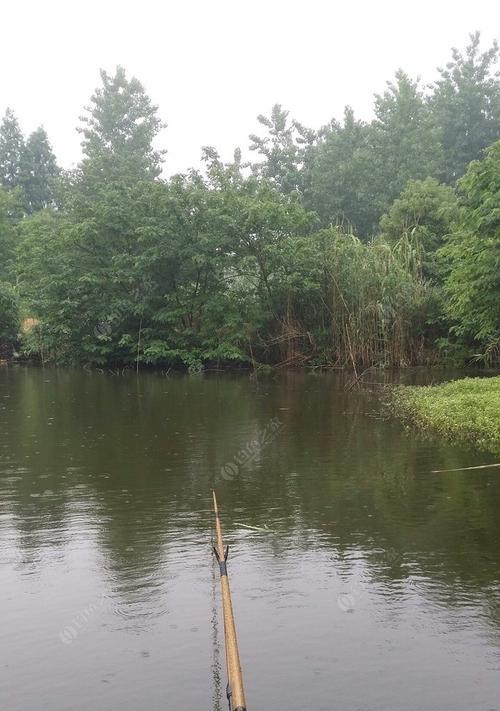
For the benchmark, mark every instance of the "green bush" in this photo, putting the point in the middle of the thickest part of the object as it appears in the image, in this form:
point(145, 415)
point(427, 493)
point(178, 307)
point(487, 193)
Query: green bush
point(465, 410)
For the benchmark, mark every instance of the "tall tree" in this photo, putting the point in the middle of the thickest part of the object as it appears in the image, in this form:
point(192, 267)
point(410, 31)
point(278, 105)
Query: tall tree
point(466, 106)
point(360, 169)
point(11, 151)
point(89, 258)
point(342, 188)
point(286, 150)
point(473, 253)
point(39, 170)
point(119, 157)
point(405, 141)
point(119, 130)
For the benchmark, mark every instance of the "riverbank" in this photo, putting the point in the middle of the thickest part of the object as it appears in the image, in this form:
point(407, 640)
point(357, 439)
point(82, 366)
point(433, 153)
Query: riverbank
point(461, 410)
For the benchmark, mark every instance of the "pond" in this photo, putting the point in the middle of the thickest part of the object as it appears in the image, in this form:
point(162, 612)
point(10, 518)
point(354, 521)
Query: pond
point(361, 580)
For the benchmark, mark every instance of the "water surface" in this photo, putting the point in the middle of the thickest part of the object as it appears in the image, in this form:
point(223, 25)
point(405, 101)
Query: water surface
point(361, 580)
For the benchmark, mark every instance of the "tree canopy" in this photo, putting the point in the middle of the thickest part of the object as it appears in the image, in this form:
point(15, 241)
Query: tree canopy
point(473, 251)
point(466, 106)
point(350, 245)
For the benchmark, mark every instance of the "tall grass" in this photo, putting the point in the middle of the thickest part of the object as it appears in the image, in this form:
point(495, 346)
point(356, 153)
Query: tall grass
point(376, 303)
point(370, 306)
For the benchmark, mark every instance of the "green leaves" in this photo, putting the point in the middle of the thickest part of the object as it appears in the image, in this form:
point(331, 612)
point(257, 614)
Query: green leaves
point(359, 168)
point(10, 211)
point(27, 166)
point(9, 315)
point(11, 151)
point(466, 106)
point(421, 219)
point(118, 132)
point(39, 172)
point(473, 253)
point(405, 140)
point(286, 149)
point(243, 263)
point(343, 187)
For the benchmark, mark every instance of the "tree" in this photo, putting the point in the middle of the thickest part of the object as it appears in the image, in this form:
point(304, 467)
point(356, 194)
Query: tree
point(421, 219)
point(466, 106)
point(405, 141)
point(342, 187)
point(39, 170)
point(28, 165)
point(88, 296)
point(473, 254)
point(230, 288)
point(47, 273)
point(360, 169)
point(119, 131)
point(87, 260)
point(220, 265)
point(11, 151)
point(286, 150)
point(10, 213)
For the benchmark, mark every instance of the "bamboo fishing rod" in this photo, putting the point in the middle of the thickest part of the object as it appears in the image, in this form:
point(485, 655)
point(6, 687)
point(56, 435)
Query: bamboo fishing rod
point(235, 691)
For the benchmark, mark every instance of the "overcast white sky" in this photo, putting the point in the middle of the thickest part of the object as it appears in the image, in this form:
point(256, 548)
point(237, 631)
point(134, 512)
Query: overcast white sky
point(213, 65)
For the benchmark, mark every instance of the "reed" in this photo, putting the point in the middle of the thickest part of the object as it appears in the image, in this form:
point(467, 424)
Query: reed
point(370, 306)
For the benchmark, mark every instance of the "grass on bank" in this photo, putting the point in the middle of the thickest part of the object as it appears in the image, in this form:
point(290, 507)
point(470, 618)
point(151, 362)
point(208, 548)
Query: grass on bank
point(465, 410)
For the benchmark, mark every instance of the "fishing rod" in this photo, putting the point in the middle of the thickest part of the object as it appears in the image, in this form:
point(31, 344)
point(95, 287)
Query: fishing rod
point(235, 691)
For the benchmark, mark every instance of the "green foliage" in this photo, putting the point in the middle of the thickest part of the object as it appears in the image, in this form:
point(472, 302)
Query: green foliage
point(27, 166)
point(10, 210)
point(286, 150)
point(118, 132)
point(9, 314)
point(11, 151)
point(10, 213)
point(343, 187)
point(159, 273)
point(377, 308)
point(423, 216)
point(39, 171)
point(52, 296)
point(465, 410)
point(473, 253)
point(405, 140)
point(359, 169)
point(83, 272)
point(286, 261)
point(466, 106)
point(452, 352)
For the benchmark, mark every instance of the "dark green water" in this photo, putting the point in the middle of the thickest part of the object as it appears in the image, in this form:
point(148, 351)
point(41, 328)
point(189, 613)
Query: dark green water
point(375, 586)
